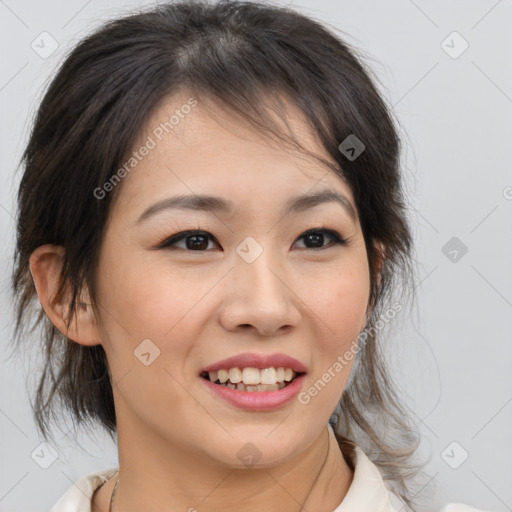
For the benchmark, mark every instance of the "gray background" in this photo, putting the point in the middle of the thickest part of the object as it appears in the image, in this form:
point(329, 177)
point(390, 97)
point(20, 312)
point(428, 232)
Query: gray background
point(452, 360)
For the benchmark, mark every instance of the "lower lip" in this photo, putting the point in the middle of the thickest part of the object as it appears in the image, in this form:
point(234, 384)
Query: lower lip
point(257, 400)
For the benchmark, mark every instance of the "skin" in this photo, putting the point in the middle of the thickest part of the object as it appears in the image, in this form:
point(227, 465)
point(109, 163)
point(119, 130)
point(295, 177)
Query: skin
point(177, 442)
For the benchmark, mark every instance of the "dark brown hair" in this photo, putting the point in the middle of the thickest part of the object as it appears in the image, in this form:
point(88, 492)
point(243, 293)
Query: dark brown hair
point(243, 56)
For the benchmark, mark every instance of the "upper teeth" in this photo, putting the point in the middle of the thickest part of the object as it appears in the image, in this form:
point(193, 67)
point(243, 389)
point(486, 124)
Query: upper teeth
point(252, 376)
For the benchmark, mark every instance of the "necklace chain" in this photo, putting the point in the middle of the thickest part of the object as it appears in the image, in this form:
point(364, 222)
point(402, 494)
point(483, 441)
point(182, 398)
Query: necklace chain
point(321, 468)
point(309, 492)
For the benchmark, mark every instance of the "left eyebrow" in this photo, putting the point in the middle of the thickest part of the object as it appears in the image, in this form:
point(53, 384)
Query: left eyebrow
point(306, 201)
point(208, 203)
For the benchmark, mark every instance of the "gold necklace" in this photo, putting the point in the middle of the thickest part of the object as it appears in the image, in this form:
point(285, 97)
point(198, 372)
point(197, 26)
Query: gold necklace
point(311, 488)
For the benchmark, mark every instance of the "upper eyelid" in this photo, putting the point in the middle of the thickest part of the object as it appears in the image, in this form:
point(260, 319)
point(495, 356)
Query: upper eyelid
point(178, 237)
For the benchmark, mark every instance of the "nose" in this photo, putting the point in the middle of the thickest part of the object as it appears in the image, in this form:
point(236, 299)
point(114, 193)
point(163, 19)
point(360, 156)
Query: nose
point(259, 296)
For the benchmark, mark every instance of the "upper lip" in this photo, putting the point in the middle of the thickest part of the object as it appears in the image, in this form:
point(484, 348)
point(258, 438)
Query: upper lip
point(261, 361)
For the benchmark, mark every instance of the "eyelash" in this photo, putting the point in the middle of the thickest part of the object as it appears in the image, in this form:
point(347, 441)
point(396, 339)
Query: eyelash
point(169, 242)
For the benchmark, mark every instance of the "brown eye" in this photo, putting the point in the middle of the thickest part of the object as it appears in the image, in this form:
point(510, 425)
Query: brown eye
point(315, 238)
point(197, 241)
point(194, 241)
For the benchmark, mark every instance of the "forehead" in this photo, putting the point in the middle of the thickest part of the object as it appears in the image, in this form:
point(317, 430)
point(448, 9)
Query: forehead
point(198, 147)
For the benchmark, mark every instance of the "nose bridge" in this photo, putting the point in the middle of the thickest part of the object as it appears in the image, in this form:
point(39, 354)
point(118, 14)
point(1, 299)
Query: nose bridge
point(257, 268)
point(258, 294)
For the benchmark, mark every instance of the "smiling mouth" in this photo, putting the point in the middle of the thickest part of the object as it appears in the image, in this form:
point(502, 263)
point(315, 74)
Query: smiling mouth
point(253, 379)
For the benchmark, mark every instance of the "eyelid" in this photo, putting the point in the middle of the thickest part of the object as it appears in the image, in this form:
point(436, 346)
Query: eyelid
point(338, 239)
point(178, 237)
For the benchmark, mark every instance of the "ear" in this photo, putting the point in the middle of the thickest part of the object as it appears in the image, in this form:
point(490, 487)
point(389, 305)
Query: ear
point(45, 266)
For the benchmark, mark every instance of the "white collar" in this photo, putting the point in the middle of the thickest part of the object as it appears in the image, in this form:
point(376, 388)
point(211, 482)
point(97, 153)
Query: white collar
point(78, 497)
point(367, 492)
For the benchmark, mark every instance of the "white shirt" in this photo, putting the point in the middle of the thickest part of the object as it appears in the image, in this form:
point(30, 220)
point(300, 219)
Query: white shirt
point(367, 492)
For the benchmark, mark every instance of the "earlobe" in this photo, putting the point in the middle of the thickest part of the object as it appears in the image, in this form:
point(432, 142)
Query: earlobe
point(45, 266)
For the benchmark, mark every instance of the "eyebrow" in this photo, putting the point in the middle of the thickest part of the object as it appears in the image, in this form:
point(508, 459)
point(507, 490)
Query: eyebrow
point(208, 203)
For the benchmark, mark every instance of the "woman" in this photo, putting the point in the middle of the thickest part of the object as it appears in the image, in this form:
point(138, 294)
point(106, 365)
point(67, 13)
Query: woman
point(212, 219)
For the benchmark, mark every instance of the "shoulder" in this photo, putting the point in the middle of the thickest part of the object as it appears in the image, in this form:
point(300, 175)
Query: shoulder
point(78, 497)
point(369, 493)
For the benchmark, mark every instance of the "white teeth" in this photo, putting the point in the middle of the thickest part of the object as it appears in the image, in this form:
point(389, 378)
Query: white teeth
point(223, 376)
point(260, 387)
point(235, 375)
point(251, 376)
point(268, 376)
point(253, 379)
point(252, 388)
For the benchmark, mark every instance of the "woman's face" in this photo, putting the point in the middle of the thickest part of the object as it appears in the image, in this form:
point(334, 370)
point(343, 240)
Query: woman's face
point(250, 283)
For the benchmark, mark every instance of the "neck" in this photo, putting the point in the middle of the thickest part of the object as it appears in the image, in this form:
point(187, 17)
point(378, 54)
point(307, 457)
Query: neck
point(317, 479)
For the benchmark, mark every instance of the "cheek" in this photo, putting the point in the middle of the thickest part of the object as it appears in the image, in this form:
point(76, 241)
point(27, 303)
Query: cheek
point(338, 304)
point(150, 297)
point(144, 302)
point(338, 300)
